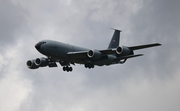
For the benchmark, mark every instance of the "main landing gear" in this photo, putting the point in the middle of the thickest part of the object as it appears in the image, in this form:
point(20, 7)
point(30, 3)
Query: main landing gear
point(89, 65)
point(67, 68)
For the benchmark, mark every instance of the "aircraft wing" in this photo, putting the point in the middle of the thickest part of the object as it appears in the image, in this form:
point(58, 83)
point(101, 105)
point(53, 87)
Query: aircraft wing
point(144, 46)
point(83, 54)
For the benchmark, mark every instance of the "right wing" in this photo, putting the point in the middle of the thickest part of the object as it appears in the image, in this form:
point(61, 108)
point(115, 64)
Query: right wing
point(144, 46)
point(83, 54)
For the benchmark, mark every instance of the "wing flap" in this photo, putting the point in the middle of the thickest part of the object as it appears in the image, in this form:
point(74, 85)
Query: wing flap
point(144, 46)
point(127, 57)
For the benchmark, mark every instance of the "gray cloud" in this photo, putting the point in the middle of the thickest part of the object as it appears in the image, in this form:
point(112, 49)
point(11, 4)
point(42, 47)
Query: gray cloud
point(11, 22)
point(145, 83)
point(158, 22)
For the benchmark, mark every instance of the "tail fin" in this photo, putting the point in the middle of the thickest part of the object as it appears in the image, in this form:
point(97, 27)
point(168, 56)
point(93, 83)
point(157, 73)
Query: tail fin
point(115, 39)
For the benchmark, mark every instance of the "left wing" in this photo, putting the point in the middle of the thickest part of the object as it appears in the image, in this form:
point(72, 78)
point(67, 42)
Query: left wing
point(83, 54)
point(80, 54)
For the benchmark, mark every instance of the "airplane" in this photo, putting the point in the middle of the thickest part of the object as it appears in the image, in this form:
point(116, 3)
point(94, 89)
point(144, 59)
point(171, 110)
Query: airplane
point(67, 55)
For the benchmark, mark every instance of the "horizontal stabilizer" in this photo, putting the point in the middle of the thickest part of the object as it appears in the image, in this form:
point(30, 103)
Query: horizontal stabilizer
point(128, 56)
point(143, 46)
point(116, 29)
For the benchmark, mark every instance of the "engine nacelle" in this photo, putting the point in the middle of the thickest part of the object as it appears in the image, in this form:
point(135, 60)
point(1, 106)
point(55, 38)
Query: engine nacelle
point(41, 62)
point(31, 64)
point(123, 51)
point(94, 54)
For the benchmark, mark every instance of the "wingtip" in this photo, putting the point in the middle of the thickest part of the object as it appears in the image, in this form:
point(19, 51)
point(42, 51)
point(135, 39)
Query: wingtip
point(138, 55)
point(158, 44)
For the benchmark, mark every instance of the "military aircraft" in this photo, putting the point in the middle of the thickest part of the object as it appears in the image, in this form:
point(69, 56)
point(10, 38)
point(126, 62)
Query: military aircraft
point(67, 55)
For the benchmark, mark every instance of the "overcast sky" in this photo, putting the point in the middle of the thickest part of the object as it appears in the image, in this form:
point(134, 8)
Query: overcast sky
point(148, 83)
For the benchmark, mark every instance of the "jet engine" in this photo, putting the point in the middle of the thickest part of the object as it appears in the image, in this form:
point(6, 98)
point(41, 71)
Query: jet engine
point(123, 51)
point(31, 64)
point(41, 62)
point(94, 54)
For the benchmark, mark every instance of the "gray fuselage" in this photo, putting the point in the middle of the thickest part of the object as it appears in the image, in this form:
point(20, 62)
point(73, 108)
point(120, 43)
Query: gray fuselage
point(58, 50)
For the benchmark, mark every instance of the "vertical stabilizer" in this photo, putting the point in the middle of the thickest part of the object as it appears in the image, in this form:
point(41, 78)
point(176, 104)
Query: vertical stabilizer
point(115, 39)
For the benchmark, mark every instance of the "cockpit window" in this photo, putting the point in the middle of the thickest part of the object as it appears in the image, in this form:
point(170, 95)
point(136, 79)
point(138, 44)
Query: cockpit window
point(40, 43)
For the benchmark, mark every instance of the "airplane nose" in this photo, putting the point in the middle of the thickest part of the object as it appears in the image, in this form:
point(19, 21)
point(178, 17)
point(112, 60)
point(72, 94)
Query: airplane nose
point(37, 46)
